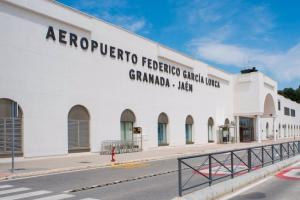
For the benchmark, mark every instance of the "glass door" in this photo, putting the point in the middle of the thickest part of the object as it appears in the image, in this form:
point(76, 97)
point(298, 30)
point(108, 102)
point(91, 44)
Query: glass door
point(188, 134)
point(162, 134)
point(126, 131)
point(246, 129)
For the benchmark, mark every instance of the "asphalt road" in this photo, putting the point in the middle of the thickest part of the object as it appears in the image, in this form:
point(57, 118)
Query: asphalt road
point(146, 181)
point(278, 187)
point(158, 180)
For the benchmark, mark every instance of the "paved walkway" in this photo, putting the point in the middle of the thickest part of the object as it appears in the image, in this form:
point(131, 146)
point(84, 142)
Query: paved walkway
point(26, 167)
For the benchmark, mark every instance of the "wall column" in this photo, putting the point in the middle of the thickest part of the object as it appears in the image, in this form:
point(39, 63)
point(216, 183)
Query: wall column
point(257, 127)
point(274, 131)
point(237, 123)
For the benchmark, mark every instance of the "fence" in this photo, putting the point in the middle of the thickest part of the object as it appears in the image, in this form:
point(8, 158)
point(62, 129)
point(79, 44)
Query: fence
point(8, 126)
point(120, 146)
point(195, 172)
point(78, 135)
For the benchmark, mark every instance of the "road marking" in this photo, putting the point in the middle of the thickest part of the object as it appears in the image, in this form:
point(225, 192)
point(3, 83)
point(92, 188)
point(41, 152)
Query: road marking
point(131, 165)
point(56, 197)
point(291, 173)
point(5, 186)
point(89, 199)
point(25, 195)
point(13, 190)
point(120, 181)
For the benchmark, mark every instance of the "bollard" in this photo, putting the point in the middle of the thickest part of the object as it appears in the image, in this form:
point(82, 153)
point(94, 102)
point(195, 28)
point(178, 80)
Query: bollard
point(113, 154)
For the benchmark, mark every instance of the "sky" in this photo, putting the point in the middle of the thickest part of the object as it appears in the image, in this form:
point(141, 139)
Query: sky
point(227, 34)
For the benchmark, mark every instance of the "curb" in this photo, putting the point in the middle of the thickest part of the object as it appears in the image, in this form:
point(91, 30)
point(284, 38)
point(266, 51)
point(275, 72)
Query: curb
point(226, 187)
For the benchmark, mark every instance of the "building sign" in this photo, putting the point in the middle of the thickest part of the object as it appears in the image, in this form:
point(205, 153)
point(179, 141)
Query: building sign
point(137, 130)
point(153, 66)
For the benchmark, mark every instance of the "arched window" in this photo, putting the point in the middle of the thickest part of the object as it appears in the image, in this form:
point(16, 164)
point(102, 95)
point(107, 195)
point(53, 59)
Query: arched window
point(162, 129)
point(78, 129)
point(189, 129)
point(127, 122)
point(279, 130)
point(11, 124)
point(210, 125)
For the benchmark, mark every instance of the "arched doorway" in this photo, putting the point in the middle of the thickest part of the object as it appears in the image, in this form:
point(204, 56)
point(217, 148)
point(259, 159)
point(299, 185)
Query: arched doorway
point(11, 125)
point(189, 121)
point(127, 122)
point(269, 106)
point(78, 129)
point(210, 125)
point(162, 129)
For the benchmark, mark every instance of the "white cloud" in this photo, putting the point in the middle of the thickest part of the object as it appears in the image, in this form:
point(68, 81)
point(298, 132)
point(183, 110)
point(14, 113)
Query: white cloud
point(284, 66)
point(131, 23)
point(111, 11)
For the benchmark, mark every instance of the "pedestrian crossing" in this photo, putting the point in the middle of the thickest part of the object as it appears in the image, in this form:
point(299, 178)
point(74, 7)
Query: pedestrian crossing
point(10, 192)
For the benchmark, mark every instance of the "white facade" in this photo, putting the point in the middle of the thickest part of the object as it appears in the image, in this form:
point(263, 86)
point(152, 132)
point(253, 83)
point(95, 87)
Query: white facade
point(47, 75)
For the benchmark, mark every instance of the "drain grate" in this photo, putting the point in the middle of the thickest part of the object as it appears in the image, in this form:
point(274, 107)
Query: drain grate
point(85, 162)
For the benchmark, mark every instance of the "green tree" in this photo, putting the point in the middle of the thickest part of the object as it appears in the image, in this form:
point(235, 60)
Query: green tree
point(290, 93)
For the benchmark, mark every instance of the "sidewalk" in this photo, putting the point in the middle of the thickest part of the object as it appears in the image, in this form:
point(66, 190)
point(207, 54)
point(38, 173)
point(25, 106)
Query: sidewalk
point(26, 167)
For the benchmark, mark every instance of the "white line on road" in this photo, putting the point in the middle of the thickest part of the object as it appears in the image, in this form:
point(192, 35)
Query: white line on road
point(56, 197)
point(13, 190)
point(5, 186)
point(89, 199)
point(25, 195)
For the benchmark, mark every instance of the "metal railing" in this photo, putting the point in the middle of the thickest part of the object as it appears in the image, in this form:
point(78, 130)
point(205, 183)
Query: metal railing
point(200, 171)
point(10, 136)
point(120, 146)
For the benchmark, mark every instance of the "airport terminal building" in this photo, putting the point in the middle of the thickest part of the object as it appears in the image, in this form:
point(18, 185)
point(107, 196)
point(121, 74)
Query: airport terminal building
point(70, 82)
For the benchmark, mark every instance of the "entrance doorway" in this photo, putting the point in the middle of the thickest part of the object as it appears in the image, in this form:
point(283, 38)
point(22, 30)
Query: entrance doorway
point(162, 130)
point(78, 129)
point(246, 129)
point(11, 127)
point(127, 122)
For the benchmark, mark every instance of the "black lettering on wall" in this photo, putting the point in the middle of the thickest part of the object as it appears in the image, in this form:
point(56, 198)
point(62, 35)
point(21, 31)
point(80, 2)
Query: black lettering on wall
point(73, 39)
point(103, 49)
point(120, 54)
point(112, 51)
point(84, 43)
point(127, 53)
point(134, 59)
point(94, 45)
point(131, 74)
point(50, 33)
point(62, 36)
